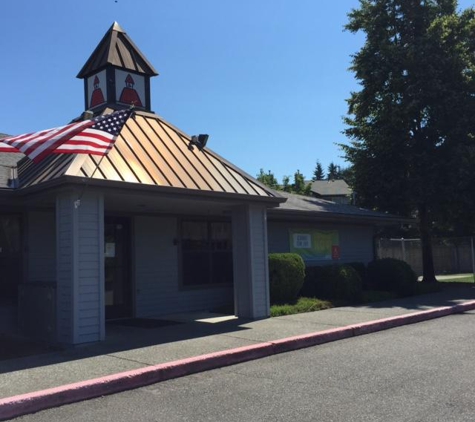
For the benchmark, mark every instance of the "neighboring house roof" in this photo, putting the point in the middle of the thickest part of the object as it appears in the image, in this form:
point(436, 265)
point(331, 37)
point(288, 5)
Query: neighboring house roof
point(149, 151)
point(117, 49)
point(331, 187)
point(8, 160)
point(311, 207)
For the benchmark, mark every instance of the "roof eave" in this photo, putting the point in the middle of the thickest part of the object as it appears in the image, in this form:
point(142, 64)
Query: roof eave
point(61, 181)
point(283, 214)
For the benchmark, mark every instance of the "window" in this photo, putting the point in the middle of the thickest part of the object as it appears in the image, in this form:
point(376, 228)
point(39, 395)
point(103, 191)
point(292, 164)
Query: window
point(206, 250)
point(10, 257)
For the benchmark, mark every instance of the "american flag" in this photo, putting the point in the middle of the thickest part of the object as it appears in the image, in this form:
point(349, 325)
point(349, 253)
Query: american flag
point(95, 136)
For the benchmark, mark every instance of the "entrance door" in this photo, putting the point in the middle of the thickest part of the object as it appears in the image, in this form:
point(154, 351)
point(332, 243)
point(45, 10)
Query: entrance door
point(118, 288)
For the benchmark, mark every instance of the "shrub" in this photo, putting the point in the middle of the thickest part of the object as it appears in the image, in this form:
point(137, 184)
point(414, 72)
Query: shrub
point(360, 268)
point(340, 282)
point(392, 275)
point(286, 276)
point(310, 285)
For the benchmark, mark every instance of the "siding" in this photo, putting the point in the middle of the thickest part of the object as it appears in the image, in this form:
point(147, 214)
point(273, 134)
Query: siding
point(250, 262)
point(64, 292)
point(41, 241)
point(90, 277)
point(80, 269)
point(260, 271)
point(157, 272)
point(356, 242)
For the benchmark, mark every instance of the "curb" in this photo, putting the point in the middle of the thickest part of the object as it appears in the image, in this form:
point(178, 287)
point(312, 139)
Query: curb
point(15, 406)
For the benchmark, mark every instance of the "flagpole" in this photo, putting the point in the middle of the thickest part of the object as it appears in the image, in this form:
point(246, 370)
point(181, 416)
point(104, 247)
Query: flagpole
point(77, 202)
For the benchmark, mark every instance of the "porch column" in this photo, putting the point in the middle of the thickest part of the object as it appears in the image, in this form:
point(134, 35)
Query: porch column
point(251, 272)
point(80, 268)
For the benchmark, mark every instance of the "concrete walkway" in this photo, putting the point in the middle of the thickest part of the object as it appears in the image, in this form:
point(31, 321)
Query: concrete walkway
point(131, 357)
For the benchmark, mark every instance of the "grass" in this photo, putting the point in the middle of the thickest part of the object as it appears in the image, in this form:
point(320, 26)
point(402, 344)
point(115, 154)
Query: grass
point(303, 304)
point(310, 304)
point(467, 279)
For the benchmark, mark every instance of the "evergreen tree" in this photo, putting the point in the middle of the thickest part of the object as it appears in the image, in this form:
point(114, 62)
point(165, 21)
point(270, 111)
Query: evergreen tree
point(318, 173)
point(411, 125)
point(333, 171)
point(286, 187)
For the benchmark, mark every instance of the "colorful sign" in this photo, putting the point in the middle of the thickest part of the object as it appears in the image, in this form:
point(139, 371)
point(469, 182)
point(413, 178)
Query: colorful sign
point(130, 88)
point(315, 244)
point(97, 89)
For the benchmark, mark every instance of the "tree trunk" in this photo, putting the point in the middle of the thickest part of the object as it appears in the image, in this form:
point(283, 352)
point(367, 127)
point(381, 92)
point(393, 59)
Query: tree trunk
point(428, 273)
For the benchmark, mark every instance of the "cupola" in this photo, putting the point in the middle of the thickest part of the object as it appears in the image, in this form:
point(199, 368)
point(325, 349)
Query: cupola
point(117, 74)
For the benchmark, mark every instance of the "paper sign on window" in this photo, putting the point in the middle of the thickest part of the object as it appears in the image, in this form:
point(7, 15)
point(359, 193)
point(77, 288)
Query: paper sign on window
point(110, 250)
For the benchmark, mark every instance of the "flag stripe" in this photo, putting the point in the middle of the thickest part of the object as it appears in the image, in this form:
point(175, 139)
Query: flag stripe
point(95, 136)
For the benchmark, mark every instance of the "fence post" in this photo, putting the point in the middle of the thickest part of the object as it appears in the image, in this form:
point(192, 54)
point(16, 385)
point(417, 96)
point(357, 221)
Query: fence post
point(403, 246)
point(473, 259)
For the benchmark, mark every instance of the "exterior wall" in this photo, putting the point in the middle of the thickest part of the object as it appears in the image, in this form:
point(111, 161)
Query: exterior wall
point(41, 242)
point(80, 269)
point(251, 272)
point(356, 242)
point(156, 273)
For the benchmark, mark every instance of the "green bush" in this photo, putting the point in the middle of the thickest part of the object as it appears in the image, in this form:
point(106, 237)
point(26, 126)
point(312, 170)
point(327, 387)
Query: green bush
point(286, 276)
point(391, 274)
point(360, 268)
point(310, 285)
point(340, 282)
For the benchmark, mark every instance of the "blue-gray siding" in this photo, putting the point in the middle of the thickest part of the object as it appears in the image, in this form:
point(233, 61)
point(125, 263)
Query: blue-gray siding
point(156, 263)
point(80, 270)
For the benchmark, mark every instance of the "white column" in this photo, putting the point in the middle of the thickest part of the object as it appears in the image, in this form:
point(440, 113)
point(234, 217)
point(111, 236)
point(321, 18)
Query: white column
point(80, 268)
point(250, 262)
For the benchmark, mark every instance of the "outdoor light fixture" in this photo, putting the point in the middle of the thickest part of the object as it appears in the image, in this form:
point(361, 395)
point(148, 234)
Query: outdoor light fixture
point(198, 141)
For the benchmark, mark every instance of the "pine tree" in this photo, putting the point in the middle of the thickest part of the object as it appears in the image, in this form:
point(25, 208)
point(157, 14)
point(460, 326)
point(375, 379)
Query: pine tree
point(412, 122)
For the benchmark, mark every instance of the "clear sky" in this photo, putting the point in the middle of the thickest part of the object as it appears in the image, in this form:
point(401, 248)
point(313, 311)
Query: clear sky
point(266, 79)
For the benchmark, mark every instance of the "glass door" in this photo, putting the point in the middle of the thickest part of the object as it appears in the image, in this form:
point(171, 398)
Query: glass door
point(118, 289)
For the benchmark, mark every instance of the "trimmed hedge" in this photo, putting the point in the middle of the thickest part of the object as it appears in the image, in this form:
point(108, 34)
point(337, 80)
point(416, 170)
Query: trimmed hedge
point(286, 277)
point(340, 282)
point(391, 274)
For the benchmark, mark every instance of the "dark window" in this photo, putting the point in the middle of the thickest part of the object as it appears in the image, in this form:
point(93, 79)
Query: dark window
point(206, 248)
point(10, 257)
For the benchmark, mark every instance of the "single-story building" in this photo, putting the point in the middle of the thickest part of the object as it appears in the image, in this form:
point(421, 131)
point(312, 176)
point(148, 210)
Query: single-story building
point(159, 225)
point(336, 190)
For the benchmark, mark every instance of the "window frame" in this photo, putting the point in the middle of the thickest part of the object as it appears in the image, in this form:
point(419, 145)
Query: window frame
point(209, 251)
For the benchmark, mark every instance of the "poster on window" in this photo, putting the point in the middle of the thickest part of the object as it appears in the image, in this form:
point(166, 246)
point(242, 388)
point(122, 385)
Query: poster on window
point(315, 244)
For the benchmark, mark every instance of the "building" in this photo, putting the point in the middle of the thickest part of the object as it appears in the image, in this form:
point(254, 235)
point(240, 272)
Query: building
point(159, 225)
point(332, 190)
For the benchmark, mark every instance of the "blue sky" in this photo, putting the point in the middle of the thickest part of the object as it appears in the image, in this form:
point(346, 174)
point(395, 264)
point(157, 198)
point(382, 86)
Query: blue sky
point(266, 79)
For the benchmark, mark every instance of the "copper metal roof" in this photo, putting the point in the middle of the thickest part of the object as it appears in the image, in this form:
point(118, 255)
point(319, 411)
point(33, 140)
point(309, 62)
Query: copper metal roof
point(117, 49)
point(149, 151)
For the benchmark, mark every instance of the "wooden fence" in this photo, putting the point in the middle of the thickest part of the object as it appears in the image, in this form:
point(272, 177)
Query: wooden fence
point(451, 255)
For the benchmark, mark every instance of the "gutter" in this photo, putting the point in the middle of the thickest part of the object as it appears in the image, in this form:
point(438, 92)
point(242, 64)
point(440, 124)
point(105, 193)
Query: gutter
point(138, 187)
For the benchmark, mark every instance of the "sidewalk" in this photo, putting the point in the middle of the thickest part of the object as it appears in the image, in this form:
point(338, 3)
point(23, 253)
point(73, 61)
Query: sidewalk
point(187, 337)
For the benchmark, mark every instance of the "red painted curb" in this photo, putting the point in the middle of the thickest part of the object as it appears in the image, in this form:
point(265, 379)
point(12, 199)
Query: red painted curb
point(40, 400)
point(33, 402)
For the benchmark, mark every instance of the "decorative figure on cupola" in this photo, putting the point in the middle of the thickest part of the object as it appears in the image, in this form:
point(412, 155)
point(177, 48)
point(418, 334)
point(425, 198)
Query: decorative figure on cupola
point(129, 94)
point(97, 95)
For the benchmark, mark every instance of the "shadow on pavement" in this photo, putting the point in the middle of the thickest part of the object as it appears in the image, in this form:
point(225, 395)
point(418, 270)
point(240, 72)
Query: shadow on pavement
point(19, 353)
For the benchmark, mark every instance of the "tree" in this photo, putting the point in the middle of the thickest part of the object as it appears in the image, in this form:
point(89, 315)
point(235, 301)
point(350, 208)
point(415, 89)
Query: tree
point(333, 171)
point(412, 121)
point(299, 183)
point(286, 187)
point(318, 173)
point(268, 179)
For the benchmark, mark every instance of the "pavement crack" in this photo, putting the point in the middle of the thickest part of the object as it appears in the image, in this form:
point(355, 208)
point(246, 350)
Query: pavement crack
point(130, 360)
